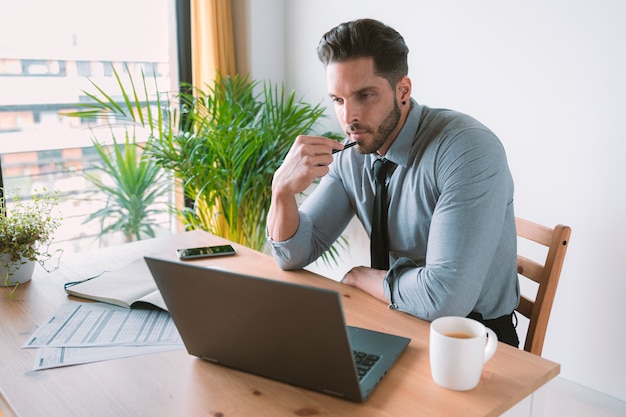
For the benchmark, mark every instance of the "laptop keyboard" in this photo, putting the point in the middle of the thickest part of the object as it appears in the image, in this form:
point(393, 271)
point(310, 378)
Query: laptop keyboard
point(364, 362)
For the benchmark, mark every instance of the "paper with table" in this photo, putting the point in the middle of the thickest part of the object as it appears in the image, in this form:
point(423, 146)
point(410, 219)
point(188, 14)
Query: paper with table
point(89, 332)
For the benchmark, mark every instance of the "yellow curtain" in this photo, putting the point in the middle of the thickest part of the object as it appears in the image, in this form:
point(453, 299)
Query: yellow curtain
point(212, 42)
point(212, 49)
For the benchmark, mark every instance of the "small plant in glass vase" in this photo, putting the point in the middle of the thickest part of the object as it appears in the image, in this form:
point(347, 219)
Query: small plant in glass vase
point(26, 232)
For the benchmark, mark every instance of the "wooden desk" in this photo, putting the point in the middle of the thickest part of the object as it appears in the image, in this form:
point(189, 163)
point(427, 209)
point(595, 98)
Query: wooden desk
point(177, 384)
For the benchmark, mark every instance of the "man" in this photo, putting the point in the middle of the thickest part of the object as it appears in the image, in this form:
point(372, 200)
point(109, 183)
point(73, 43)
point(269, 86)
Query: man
point(451, 227)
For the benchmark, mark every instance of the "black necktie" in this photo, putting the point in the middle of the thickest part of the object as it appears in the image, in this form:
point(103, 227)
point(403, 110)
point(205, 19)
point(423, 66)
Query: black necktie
point(379, 245)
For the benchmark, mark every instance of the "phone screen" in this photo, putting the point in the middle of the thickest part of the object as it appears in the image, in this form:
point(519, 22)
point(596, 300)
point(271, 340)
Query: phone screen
point(205, 252)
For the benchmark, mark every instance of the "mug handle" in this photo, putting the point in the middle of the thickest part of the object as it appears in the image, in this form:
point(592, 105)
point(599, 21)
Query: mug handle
point(492, 344)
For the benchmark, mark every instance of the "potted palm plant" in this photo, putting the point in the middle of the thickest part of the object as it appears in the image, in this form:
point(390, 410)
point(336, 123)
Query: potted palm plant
point(237, 133)
point(222, 144)
point(133, 186)
point(26, 232)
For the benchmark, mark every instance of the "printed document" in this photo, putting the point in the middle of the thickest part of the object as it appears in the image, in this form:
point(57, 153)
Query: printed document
point(88, 332)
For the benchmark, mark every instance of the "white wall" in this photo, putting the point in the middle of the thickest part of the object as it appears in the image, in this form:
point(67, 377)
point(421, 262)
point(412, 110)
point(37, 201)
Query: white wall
point(549, 77)
point(259, 27)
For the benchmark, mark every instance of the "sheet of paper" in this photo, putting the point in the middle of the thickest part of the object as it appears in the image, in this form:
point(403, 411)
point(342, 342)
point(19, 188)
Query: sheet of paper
point(99, 324)
point(91, 332)
point(55, 357)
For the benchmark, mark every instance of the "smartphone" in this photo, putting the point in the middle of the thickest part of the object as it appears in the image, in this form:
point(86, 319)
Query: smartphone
point(205, 252)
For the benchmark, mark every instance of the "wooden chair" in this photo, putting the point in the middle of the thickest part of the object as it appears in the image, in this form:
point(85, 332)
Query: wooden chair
point(546, 275)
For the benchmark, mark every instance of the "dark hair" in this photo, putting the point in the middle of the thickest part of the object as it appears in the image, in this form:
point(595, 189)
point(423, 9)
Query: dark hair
point(367, 38)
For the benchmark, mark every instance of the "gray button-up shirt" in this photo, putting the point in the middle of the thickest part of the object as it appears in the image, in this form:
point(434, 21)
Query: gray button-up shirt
point(451, 225)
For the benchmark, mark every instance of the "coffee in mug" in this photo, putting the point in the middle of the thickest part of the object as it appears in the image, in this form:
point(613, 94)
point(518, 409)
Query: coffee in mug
point(459, 335)
point(458, 349)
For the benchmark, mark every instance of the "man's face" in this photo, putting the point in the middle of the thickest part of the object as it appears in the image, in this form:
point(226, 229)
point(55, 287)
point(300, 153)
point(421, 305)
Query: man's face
point(365, 104)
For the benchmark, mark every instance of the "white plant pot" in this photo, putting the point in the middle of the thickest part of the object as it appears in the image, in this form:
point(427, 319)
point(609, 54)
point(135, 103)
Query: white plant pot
point(23, 274)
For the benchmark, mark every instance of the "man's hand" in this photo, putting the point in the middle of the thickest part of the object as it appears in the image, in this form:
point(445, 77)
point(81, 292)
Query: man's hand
point(367, 279)
point(308, 159)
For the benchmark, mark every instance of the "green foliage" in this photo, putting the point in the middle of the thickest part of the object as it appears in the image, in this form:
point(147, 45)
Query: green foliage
point(235, 139)
point(137, 181)
point(26, 231)
point(222, 147)
point(137, 184)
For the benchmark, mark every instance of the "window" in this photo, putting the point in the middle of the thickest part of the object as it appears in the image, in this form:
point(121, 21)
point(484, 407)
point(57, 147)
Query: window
point(48, 51)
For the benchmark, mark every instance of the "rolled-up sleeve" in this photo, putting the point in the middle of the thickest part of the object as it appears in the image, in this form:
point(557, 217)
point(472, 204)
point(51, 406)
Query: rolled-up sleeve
point(324, 215)
point(294, 252)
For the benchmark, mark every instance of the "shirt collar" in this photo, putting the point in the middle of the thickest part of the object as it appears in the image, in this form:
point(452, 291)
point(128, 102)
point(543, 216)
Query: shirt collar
point(400, 150)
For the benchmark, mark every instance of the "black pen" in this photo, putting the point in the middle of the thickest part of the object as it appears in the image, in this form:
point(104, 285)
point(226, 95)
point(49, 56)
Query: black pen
point(71, 284)
point(349, 145)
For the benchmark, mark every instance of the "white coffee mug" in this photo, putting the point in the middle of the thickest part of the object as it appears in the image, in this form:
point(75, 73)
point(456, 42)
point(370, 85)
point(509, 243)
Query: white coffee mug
point(458, 349)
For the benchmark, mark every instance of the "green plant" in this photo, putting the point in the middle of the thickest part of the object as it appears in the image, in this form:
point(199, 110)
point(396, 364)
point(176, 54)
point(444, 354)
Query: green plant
point(222, 146)
point(234, 140)
point(136, 186)
point(26, 232)
point(137, 182)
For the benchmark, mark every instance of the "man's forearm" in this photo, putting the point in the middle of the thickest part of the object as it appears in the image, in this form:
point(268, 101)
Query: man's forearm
point(283, 218)
point(367, 279)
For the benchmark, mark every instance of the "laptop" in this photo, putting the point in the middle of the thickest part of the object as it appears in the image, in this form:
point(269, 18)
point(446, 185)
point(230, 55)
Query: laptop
point(283, 331)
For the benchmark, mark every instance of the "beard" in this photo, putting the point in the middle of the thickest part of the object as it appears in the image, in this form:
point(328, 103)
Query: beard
point(387, 126)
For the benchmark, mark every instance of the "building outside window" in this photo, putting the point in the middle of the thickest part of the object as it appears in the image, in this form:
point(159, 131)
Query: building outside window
point(49, 50)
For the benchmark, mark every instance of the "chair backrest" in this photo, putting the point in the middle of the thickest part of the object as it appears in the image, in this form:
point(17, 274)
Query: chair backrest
point(546, 275)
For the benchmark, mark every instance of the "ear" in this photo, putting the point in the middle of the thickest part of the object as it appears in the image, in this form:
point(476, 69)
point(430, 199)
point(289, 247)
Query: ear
point(403, 89)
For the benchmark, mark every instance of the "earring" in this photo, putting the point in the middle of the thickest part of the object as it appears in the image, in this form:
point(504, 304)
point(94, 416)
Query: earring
point(403, 102)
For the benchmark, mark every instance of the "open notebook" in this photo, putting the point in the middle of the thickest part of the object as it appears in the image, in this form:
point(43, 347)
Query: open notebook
point(283, 331)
